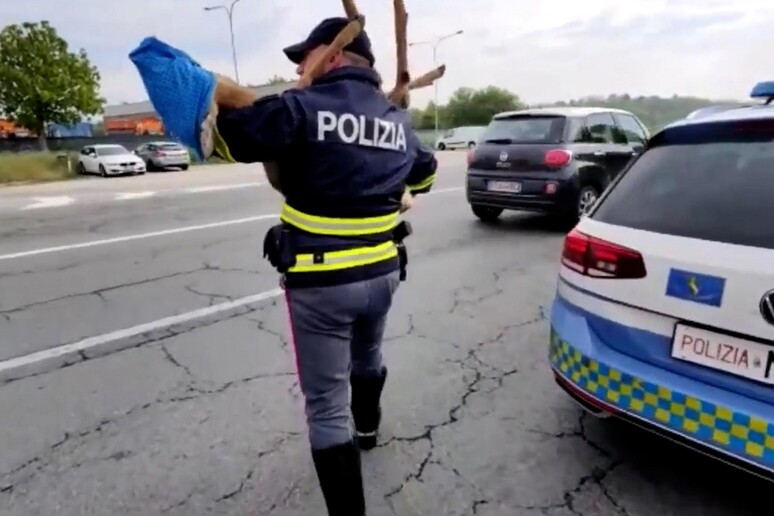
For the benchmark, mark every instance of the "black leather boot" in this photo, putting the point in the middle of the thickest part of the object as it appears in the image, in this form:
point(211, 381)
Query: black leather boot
point(341, 481)
point(366, 408)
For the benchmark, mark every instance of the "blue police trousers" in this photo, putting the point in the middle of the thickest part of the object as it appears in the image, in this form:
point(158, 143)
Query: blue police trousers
point(335, 330)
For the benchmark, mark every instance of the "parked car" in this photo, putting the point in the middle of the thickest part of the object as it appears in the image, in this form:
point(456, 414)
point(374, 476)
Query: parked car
point(664, 310)
point(460, 138)
point(109, 160)
point(556, 160)
point(162, 155)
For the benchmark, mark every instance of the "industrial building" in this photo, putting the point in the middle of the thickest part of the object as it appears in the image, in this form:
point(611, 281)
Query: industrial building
point(141, 118)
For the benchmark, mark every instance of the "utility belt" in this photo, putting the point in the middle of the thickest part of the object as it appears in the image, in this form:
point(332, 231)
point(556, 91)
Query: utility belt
point(280, 246)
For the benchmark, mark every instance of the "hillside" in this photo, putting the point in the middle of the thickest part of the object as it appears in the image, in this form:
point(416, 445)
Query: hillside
point(655, 112)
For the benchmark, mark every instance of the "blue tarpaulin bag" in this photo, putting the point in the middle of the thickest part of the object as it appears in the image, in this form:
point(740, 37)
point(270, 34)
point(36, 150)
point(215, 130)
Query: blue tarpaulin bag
point(179, 88)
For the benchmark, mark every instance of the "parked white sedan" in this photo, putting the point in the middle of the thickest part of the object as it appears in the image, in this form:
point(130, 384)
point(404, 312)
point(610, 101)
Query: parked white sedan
point(109, 160)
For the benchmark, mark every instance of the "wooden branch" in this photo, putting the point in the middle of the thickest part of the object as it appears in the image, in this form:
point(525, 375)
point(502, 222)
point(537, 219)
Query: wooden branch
point(343, 38)
point(399, 94)
point(428, 79)
point(350, 9)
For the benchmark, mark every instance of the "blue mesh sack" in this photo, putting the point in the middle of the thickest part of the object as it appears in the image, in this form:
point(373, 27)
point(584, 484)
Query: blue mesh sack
point(179, 88)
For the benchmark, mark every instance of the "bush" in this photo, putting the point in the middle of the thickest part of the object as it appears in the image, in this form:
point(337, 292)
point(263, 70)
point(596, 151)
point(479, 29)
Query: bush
point(36, 166)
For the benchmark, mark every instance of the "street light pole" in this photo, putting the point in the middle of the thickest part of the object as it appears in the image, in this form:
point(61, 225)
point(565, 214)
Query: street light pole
point(230, 12)
point(434, 43)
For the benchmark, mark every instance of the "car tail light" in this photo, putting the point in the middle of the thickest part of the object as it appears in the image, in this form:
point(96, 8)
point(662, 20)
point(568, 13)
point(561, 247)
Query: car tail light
point(600, 259)
point(557, 158)
point(471, 154)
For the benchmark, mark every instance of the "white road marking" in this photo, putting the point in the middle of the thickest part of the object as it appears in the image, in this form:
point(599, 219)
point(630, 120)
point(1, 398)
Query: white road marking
point(49, 202)
point(126, 196)
point(129, 238)
point(140, 236)
point(100, 345)
point(218, 188)
point(107, 342)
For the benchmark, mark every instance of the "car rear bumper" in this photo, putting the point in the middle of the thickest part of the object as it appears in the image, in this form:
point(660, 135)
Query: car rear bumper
point(171, 162)
point(533, 196)
point(734, 428)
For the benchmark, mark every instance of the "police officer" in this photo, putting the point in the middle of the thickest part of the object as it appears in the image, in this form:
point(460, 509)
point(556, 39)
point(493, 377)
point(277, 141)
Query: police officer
point(346, 156)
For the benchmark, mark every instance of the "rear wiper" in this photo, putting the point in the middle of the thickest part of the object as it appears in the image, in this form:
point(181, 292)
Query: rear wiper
point(499, 140)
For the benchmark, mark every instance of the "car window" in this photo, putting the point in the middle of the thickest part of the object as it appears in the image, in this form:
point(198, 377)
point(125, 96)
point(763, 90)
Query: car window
point(711, 182)
point(112, 150)
point(599, 128)
point(525, 129)
point(631, 129)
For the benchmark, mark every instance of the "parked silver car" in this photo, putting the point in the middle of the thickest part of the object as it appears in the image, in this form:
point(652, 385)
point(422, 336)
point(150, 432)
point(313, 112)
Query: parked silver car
point(162, 155)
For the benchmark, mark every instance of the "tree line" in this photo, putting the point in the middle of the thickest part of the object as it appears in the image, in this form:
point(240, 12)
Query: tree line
point(476, 107)
point(42, 81)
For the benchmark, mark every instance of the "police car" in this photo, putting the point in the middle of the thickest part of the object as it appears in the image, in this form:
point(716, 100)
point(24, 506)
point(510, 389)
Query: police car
point(664, 311)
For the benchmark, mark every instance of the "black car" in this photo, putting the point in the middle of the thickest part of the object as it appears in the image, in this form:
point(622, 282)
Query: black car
point(556, 160)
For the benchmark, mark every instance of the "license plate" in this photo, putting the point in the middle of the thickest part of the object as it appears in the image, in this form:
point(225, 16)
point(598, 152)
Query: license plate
point(504, 186)
point(740, 357)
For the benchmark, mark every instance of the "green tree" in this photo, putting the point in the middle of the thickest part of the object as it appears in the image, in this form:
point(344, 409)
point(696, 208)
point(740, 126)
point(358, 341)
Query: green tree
point(476, 107)
point(42, 82)
point(277, 80)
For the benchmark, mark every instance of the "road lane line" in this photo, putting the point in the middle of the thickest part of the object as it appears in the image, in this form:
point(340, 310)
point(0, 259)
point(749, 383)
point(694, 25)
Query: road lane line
point(218, 188)
point(127, 196)
point(140, 236)
point(49, 202)
point(100, 345)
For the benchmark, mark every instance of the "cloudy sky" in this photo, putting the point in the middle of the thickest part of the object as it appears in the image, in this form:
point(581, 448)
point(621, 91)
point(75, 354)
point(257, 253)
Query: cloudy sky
point(543, 50)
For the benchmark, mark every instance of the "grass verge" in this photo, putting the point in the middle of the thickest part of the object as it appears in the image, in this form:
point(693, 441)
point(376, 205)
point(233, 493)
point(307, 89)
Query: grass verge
point(27, 167)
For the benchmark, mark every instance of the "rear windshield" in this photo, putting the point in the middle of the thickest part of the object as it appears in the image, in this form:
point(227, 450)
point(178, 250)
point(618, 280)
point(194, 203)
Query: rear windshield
point(525, 129)
point(712, 182)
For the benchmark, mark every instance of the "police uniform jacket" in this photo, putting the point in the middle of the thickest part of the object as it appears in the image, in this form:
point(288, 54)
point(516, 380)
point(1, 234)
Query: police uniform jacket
point(346, 155)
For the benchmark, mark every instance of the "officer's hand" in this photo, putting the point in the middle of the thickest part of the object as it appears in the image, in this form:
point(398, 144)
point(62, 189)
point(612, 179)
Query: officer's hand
point(406, 202)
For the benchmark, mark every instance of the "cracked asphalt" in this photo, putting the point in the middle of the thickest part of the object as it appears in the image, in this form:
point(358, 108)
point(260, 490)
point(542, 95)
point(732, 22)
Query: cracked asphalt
point(208, 419)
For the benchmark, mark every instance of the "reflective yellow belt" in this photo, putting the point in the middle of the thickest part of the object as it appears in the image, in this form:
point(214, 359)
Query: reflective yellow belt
point(338, 226)
point(338, 260)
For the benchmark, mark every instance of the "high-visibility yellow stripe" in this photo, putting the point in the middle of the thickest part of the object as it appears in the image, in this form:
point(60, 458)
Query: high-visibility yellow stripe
point(428, 181)
point(221, 148)
point(338, 226)
point(350, 258)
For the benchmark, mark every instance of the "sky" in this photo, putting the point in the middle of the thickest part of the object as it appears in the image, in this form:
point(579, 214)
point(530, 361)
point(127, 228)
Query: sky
point(542, 50)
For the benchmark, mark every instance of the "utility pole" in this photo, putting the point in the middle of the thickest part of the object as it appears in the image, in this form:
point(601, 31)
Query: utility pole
point(434, 43)
point(230, 12)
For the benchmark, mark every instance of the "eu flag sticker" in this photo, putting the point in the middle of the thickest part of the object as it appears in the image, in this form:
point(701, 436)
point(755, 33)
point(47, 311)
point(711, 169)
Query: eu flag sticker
point(699, 288)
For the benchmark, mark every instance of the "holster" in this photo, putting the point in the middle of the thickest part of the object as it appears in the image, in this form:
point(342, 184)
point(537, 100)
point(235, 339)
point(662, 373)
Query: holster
point(279, 247)
point(401, 231)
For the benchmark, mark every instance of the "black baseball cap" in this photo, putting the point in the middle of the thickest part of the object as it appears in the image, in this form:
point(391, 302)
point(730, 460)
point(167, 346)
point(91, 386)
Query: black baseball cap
point(324, 34)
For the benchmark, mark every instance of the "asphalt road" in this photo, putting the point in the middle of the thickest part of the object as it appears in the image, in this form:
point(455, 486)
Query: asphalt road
point(177, 393)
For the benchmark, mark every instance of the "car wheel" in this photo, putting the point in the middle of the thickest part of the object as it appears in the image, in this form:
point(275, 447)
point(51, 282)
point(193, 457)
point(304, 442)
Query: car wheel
point(149, 166)
point(587, 196)
point(487, 214)
point(81, 169)
point(102, 171)
point(184, 167)
point(441, 146)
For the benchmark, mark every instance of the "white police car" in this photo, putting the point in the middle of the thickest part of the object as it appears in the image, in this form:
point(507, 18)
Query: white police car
point(664, 312)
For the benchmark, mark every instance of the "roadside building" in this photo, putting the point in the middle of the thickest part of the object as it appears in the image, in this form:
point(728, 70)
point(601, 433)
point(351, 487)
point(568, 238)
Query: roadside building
point(140, 117)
